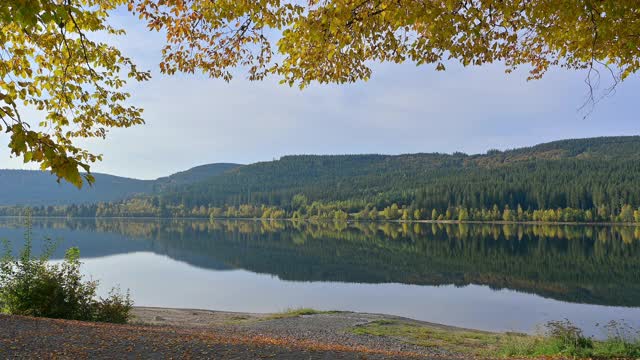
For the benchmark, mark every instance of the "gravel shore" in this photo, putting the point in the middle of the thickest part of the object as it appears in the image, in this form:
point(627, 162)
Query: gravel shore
point(325, 327)
point(194, 334)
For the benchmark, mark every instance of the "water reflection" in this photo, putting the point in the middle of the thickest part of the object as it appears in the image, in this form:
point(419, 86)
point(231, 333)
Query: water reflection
point(593, 265)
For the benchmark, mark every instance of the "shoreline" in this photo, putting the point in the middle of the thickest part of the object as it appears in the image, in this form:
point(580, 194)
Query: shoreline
point(156, 332)
point(370, 332)
point(187, 317)
point(350, 221)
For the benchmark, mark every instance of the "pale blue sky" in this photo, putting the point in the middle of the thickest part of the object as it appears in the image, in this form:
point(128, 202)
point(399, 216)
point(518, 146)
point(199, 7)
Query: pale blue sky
point(193, 120)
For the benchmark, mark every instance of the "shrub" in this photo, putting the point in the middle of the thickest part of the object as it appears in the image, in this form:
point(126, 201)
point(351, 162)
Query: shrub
point(568, 338)
point(32, 286)
point(116, 308)
point(622, 340)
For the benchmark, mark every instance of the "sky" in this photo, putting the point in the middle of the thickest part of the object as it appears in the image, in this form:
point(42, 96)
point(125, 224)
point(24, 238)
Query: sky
point(193, 120)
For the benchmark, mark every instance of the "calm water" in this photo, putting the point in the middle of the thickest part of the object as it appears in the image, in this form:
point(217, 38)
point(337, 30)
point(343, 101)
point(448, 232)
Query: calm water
point(492, 277)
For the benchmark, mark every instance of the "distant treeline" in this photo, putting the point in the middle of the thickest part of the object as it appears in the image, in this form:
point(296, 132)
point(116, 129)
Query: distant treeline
point(300, 208)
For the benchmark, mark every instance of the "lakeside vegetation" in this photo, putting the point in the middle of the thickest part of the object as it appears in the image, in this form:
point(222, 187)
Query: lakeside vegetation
point(302, 210)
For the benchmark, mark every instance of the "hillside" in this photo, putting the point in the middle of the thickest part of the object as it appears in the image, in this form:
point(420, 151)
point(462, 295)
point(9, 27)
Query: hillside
point(580, 173)
point(193, 175)
point(591, 180)
point(30, 187)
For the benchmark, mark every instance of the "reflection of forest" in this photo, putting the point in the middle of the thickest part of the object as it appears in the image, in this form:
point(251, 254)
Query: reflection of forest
point(588, 264)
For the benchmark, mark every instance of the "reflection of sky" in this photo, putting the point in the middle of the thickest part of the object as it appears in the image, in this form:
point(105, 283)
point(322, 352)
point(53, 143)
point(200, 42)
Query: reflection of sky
point(157, 280)
point(193, 120)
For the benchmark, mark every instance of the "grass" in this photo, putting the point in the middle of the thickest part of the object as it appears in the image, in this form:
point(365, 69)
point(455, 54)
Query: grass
point(239, 319)
point(286, 314)
point(291, 313)
point(459, 341)
point(561, 339)
point(536, 346)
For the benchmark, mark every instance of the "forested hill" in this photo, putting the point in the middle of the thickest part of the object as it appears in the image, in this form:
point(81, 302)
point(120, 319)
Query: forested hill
point(591, 180)
point(193, 175)
point(30, 187)
point(581, 173)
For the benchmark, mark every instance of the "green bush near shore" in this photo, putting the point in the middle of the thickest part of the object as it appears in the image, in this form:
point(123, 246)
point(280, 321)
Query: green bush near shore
point(31, 286)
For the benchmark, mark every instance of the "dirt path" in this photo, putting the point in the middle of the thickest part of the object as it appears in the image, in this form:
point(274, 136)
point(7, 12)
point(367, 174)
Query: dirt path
point(196, 334)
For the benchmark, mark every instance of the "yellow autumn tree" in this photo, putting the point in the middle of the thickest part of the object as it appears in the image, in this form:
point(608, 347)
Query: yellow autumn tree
point(57, 84)
point(337, 40)
point(50, 62)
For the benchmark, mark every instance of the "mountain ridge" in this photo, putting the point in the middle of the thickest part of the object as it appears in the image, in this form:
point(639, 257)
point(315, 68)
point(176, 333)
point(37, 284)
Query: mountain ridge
point(562, 173)
point(538, 176)
point(34, 187)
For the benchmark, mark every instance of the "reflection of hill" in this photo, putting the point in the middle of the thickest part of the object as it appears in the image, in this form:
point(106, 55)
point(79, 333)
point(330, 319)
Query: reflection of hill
point(96, 242)
point(598, 265)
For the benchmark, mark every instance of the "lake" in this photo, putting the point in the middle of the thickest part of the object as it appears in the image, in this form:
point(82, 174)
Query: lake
point(490, 277)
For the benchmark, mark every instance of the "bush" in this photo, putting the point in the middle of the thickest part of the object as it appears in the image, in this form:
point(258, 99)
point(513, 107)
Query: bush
point(568, 338)
point(622, 339)
point(116, 308)
point(32, 286)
